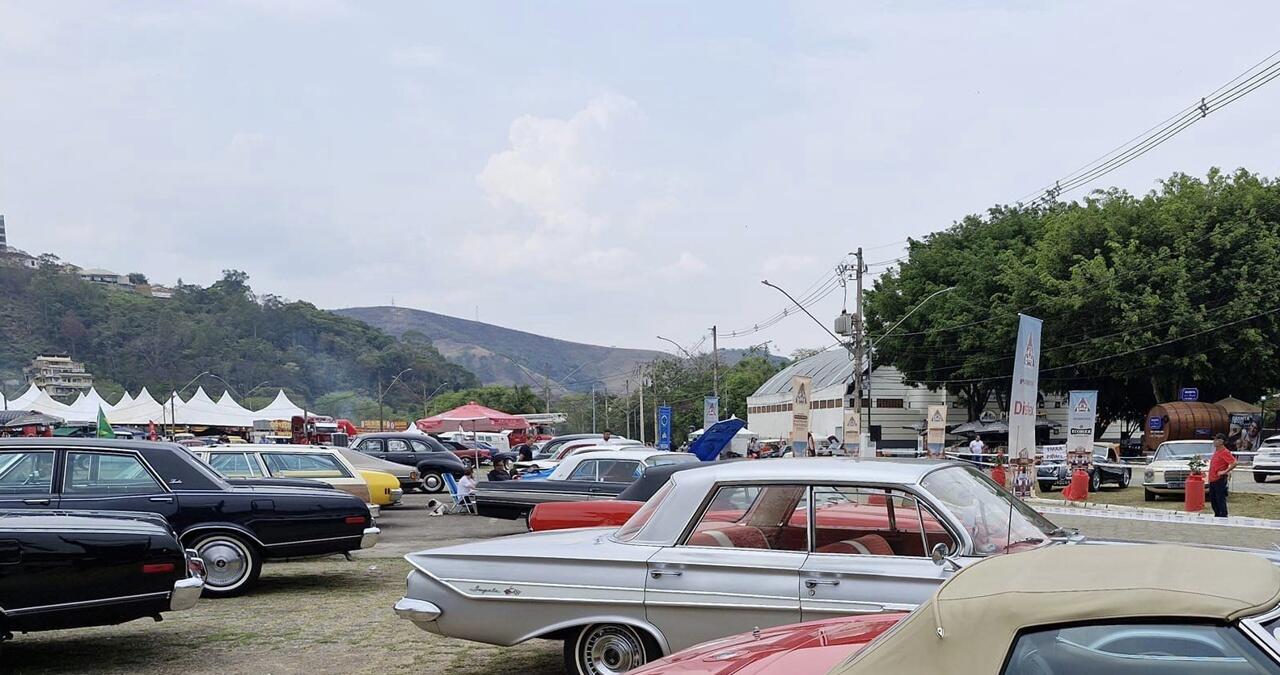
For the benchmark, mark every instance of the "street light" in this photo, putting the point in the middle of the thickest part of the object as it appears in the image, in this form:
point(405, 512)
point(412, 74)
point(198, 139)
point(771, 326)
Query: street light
point(383, 392)
point(427, 399)
point(872, 349)
point(677, 344)
point(173, 403)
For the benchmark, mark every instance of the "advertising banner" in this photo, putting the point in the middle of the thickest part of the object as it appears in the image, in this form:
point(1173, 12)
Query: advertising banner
point(851, 432)
point(937, 430)
point(1246, 432)
point(800, 393)
point(710, 411)
point(664, 427)
point(1082, 414)
point(1023, 405)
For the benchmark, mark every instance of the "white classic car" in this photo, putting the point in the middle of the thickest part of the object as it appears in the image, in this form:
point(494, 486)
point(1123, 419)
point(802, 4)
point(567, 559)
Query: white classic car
point(1167, 473)
point(1266, 464)
point(725, 549)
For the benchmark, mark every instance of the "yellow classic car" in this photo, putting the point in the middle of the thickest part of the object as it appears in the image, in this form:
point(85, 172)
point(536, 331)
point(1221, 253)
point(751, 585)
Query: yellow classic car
point(314, 462)
point(384, 489)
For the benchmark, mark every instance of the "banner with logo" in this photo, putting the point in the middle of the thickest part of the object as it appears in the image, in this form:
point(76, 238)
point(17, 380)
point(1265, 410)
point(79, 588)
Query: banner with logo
point(710, 411)
point(1082, 412)
point(1023, 405)
point(937, 430)
point(1246, 432)
point(664, 427)
point(800, 393)
point(851, 432)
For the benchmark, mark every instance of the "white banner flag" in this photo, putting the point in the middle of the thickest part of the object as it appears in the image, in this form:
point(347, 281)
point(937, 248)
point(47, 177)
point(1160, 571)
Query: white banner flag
point(1081, 417)
point(937, 429)
point(1023, 404)
point(800, 393)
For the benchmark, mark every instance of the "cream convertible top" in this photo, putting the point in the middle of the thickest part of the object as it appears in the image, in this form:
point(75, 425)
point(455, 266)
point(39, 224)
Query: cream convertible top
point(980, 610)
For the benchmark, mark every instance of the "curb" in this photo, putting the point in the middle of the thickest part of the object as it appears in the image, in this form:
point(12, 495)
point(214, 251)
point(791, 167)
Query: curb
point(1090, 509)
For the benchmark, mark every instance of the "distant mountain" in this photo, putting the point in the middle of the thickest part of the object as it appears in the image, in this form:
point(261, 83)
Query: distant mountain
point(493, 352)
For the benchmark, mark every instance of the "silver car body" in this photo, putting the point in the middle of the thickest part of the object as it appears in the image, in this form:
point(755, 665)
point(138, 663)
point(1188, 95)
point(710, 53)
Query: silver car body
point(504, 591)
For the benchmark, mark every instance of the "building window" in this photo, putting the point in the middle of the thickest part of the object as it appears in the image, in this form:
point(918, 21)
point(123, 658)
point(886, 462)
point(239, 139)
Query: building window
point(889, 403)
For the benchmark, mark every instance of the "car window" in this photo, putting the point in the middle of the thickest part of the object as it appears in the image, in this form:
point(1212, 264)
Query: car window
point(372, 445)
point(588, 470)
point(638, 519)
point(26, 473)
point(873, 521)
point(421, 446)
point(398, 445)
point(98, 473)
point(234, 464)
point(672, 458)
point(304, 465)
point(1137, 649)
point(753, 516)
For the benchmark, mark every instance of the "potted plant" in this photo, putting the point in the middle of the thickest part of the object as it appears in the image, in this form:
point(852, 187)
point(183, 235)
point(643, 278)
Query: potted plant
point(1193, 501)
point(997, 471)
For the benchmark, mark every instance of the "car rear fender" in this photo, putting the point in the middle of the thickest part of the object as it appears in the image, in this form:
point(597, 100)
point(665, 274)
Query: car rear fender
point(209, 528)
point(564, 629)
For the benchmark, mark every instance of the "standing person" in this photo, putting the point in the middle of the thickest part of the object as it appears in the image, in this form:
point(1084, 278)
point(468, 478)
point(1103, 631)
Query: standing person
point(976, 449)
point(524, 452)
point(1220, 466)
point(811, 448)
point(753, 447)
point(606, 437)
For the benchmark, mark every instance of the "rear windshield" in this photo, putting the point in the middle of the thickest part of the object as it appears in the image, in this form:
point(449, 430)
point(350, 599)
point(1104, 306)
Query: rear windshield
point(632, 527)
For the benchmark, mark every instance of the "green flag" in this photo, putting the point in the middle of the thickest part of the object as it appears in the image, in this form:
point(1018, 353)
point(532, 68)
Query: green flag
point(104, 428)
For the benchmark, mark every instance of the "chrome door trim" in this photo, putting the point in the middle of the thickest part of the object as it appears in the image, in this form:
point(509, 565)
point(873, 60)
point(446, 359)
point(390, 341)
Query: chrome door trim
point(86, 603)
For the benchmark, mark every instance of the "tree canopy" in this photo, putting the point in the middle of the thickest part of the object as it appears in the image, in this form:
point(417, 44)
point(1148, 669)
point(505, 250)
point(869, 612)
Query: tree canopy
point(1139, 296)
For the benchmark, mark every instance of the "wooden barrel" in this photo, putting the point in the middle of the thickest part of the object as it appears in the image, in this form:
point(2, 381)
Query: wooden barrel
point(1183, 421)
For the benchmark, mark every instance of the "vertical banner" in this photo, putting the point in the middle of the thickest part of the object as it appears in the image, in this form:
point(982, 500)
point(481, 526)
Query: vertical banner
point(1082, 414)
point(664, 427)
point(1245, 434)
point(800, 415)
point(851, 432)
point(1023, 405)
point(937, 430)
point(710, 411)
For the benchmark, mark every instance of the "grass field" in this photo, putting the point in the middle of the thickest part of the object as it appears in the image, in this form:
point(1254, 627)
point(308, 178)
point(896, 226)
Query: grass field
point(1250, 504)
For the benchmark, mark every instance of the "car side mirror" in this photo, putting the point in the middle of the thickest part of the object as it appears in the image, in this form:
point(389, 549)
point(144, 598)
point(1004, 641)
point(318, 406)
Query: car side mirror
point(938, 554)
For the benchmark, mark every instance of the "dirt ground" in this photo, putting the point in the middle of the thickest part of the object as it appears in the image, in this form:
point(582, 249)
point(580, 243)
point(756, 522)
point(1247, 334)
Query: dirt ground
point(334, 615)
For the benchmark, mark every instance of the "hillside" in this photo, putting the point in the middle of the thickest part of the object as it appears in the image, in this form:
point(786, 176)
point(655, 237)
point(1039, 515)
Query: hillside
point(492, 352)
point(251, 342)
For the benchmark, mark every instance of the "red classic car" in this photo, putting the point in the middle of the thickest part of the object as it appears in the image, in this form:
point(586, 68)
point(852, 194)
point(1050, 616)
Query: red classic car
point(604, 512)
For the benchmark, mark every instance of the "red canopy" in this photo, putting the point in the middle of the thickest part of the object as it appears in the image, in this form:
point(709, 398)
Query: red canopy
point(472, 417)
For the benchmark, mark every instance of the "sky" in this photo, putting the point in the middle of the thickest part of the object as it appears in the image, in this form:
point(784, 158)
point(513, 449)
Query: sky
point(599, 172)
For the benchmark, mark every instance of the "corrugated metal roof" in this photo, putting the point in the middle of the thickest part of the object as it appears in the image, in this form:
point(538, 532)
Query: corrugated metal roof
point(833, 366)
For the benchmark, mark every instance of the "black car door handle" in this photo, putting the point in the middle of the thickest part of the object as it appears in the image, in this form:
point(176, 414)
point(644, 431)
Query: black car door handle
point(165, 500)
point(37, 502)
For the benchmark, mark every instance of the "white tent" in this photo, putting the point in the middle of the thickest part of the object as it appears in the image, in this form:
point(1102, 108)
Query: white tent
point(200, 410)
point(229, 404)
point(279, 409)
point(31, 394)
point(85, 408)
point(124, 400)
point(140, 410)
point(44, 403)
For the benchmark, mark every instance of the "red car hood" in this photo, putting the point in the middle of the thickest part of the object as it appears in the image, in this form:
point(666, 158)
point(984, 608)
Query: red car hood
point(797, 649)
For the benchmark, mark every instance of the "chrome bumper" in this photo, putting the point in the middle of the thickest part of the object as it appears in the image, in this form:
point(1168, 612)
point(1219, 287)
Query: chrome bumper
point(417, 611)
point(374, 510)
point(185, 593)
point(397, 495)
point(370, 537)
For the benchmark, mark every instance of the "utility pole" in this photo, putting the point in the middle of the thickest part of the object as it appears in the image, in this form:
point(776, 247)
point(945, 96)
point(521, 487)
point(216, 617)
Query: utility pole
point(859, 358)
point(593, 408)
point(715, 365)
point(380, 416)
point(640, 417)
point(546, 389)
point(606, 409)
point(627, 407)
point(655, 405)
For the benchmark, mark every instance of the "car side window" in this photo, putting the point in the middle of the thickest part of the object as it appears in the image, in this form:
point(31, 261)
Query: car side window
point(754, 517)
point(619, 470)
point(419, 446)
point(99, 473)
point(371, 445)
point(304, 465)
point(26, 473)
point(398, 445)
point(588, 470)
point(1139, 649)
point(234, 464)
point(874, 521)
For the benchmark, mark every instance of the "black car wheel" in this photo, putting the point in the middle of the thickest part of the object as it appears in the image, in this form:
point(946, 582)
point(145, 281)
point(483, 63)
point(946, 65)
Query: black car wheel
point(432, 482)
point(1148, 495)
point(1125, 477)
point(608, 649)
point(1046, 486)
point(1259, 476)
point(1095, 480)
point(231, 563)
point(466, 461)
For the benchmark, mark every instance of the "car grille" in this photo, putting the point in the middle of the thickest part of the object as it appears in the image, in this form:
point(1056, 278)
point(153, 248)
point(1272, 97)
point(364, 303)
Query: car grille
point(1176, 476)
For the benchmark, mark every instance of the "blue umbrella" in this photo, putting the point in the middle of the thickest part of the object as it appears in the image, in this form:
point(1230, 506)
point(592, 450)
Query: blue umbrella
point(709, 445)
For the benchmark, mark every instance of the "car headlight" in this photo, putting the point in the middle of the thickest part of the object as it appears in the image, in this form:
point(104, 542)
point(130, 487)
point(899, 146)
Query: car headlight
point(1149, 476)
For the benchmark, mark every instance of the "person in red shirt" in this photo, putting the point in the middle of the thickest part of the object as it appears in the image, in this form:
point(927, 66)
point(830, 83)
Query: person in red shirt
point(1220, 466)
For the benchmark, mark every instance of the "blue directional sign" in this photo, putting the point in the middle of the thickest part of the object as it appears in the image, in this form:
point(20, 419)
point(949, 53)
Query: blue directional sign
point(1189, 394)
point(664, 427)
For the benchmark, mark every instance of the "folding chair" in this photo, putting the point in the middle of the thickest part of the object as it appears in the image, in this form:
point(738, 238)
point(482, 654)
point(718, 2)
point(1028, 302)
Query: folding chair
point(466, 504)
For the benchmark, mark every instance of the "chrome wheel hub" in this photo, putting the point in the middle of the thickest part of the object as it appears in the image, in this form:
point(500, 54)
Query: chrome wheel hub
point(224, 563)
point(610, 650)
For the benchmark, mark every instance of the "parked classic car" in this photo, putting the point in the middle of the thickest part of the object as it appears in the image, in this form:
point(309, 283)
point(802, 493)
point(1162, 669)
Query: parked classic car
point(71, 569)
point(588, 475)
point(550, 453)
point(605, 512)
point(310, 462)
point(424, 453)
point(1266, 464)
point(233, 528)
point(1055, 611)
point(1167, 473)
point(1103, 470)
point(405, 474)
point(475, 453)
point(721, 549)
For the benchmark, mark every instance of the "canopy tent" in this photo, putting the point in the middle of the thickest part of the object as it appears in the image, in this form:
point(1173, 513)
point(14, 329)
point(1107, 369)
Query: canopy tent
point(13, 419)
point(1235, 405)
point(140, 410)
point(229, 404)
point(27, 398)
point(280, 409)
point(709, 445)
point(124, 400)
point(44, 403)
point(740, 441)
point(472, 417)
point(85, 408)
point(200, 410)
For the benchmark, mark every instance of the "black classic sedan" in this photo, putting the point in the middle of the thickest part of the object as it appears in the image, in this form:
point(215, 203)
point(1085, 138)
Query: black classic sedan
point(1103, 470)
point(233, 528)
point(426, 454)
point(70, 569)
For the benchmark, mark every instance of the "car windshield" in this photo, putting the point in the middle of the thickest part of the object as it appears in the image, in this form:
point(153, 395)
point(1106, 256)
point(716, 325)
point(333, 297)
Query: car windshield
point(1184, 450)
point(995, 519)
point(666, 459)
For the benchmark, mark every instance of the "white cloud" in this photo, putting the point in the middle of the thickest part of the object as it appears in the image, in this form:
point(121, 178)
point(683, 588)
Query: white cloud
point(686, 265)
point(417, 56)
point(788, 263)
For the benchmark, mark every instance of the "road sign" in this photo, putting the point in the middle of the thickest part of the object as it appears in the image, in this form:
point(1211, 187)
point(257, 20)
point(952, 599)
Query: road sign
point(1189, 394)
point(664, 427)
